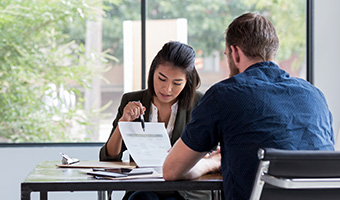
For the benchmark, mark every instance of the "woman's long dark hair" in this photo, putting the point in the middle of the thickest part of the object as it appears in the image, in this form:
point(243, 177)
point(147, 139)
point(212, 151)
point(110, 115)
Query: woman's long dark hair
point(181, 56)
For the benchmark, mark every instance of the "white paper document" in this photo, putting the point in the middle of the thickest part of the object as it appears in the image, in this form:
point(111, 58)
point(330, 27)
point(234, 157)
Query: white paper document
point(148, 148)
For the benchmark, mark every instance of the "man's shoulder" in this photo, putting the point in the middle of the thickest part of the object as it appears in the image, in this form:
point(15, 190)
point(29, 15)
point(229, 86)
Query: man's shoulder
point(225, 84)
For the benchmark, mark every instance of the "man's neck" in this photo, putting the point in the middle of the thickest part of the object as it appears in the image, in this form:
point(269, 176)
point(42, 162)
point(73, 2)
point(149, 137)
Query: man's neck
point(249, 62)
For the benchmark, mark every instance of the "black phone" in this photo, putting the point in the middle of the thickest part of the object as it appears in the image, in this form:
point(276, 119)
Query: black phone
point(120, 172)
point(140, 171)
point(107, 174)
point(116, 170)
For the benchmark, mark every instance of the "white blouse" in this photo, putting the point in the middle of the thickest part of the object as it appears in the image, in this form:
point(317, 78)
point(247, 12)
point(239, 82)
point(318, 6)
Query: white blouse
point(154, 117)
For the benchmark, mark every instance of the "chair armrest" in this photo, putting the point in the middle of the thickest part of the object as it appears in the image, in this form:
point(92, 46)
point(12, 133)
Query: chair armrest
point(301, 183)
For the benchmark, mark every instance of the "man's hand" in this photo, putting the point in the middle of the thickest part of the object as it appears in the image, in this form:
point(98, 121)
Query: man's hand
point(214, 159)
point(185, 163)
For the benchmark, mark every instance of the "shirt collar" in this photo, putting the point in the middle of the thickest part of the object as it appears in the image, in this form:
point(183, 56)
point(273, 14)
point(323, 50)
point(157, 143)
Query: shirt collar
point(263, 64)
point(153, 116)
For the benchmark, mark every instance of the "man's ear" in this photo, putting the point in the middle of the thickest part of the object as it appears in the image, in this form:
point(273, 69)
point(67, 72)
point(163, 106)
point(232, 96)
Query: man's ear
point(235, 53)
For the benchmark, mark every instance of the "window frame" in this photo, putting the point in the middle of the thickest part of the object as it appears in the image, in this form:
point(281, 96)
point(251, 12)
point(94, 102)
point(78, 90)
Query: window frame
point(309, 74)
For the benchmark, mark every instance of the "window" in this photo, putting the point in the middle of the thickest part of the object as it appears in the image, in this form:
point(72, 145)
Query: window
point(64, 65)
point(205, 22)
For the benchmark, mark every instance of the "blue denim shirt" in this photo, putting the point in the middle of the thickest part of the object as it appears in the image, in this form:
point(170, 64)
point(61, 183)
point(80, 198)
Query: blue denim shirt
point(261, 107)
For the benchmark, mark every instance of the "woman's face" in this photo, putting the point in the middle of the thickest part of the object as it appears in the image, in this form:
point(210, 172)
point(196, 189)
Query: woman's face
point(168, 82)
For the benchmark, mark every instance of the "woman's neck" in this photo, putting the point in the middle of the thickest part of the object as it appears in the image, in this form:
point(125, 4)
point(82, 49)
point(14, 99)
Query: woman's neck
point(164, 110)
point(160, 104)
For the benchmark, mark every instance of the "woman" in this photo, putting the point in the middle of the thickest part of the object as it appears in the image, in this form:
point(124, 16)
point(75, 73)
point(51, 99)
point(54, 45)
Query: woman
point(170, 98)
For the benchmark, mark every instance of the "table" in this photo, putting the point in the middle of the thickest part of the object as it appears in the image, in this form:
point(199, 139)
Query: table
point(46, 177)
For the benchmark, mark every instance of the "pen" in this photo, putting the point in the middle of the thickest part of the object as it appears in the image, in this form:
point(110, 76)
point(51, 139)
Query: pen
point(142, 121)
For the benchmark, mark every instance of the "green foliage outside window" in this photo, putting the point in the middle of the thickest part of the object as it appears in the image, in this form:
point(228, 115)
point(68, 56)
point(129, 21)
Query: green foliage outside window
point(41, 69)
point(208, 19)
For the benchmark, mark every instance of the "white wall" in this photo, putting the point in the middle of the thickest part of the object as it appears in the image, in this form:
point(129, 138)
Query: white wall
point(327, 55)
point(18, 162)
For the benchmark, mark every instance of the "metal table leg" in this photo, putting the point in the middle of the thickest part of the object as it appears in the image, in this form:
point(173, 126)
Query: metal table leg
point(25, 193)
point(216, 195)
point(102, 195)
point(43, 195)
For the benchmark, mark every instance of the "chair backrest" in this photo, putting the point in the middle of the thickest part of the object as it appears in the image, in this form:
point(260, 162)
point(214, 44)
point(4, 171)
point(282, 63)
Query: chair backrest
point(296, 174)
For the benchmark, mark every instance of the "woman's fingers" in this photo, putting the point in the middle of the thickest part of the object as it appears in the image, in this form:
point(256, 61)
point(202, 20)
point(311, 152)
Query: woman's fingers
point(133, 110)
point(141, 107)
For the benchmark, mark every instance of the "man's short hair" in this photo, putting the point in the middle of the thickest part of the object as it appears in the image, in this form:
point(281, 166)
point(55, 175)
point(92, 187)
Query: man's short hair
point(255, 35)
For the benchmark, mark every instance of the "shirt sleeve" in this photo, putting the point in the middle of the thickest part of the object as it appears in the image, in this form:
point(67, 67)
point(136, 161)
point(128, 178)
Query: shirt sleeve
point(103, 155)
point(202, 132)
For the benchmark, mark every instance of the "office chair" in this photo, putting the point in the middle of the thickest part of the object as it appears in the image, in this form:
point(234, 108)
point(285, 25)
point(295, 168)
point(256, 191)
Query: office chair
point(296, 174)
point(337, 139)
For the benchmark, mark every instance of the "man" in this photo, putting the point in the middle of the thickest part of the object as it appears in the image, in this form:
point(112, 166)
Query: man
point(259, 106)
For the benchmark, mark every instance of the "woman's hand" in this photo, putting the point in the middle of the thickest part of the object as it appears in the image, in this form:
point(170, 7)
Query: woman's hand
point(132, 111)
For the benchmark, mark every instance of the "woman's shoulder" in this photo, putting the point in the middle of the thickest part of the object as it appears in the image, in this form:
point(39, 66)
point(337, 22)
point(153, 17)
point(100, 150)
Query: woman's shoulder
point(140, 95)
point(198, 97)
